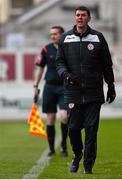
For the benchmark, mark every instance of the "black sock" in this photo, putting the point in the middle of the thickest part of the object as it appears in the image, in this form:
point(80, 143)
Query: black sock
point(51, 136)
point(64, 132)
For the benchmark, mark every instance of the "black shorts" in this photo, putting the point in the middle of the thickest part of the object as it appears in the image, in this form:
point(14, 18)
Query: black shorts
point(53, 96)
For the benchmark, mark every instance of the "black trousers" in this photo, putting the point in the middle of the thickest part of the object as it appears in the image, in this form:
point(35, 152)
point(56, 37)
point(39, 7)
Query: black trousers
point(84, 116)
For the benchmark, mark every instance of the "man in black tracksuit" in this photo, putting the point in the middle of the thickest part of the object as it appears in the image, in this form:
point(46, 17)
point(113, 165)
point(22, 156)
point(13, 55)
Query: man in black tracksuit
point(83, 61)
point(53, 93)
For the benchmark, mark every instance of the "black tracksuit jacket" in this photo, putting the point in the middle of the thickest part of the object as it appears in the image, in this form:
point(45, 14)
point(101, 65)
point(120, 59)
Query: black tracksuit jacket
point(88, 57)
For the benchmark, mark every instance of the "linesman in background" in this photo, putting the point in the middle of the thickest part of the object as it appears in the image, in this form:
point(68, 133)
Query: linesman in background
point(83, 61)
point(53, 93)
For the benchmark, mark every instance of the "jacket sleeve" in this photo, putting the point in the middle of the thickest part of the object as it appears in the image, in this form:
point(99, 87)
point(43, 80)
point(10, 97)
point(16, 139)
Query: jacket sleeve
point(106, 62)
point(61, 66)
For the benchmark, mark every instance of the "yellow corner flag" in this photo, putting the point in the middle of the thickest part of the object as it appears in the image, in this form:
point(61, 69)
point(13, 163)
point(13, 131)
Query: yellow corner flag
point(36, 126)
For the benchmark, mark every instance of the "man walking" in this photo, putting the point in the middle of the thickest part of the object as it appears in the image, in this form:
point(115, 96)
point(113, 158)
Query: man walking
point(83, 61)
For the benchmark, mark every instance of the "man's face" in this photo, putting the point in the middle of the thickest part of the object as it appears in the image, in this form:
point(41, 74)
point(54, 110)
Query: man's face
point(82, 18)
point(55, 35)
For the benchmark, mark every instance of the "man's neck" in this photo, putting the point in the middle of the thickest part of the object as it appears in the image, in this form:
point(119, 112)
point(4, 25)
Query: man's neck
point(81, 30)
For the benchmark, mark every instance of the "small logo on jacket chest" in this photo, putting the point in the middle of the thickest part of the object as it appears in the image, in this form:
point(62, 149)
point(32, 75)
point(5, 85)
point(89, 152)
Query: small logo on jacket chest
point(90, 46)
point(71, 105)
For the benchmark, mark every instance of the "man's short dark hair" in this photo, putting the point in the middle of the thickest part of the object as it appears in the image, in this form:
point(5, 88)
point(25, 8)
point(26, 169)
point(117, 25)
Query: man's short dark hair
point(83, 8)
point(60, 28)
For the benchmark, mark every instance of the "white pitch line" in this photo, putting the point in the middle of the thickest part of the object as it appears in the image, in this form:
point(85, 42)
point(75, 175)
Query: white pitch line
point(42, 162)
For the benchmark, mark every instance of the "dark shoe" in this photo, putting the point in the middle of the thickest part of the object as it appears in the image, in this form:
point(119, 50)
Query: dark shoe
point(87, 171)
point(51, 153)
point(75, 164)
point(64, 149)
point(64, 153)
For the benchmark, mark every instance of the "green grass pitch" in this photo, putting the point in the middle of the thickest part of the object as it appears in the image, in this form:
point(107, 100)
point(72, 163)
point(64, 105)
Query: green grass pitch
point(19, 151)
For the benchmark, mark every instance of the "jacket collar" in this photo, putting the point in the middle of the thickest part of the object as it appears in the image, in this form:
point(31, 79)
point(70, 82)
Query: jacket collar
point(78, 34)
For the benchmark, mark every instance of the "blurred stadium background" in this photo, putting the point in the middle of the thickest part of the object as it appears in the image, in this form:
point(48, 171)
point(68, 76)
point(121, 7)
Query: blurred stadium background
point(24, 29)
